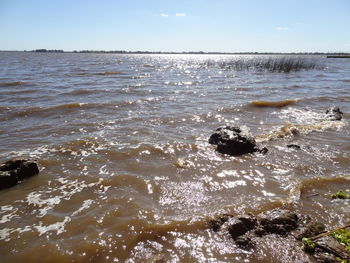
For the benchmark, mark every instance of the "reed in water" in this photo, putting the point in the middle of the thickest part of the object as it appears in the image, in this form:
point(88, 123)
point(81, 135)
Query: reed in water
point(281, 64)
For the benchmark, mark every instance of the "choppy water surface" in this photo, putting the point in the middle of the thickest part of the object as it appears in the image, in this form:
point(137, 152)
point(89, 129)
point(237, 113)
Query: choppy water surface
point(127, 174)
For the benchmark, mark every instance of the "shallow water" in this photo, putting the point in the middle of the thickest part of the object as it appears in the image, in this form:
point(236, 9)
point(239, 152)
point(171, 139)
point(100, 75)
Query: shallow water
point(127, 174)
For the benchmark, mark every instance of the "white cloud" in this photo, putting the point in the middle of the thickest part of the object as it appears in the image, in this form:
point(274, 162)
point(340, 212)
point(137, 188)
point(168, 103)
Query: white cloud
point(180, 14)
point(281, 28)
point(164, 15)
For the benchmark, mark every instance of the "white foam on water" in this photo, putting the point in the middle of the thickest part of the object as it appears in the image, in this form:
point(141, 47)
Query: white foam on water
point(59, 227)
point(45, 201)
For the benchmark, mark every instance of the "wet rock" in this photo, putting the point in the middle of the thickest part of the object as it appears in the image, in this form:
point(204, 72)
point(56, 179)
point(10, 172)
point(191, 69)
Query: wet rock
point(7, 179)
point(294, 146)
point(244, 242)
point(14, 171)
point(329, 247)
point(230, 140)
point(325, 258)
point(249, 232)
point(222, 133)
point(312, 229)
point(239, 226)
point(334, 114)
point(215, 224)
point(278, 222)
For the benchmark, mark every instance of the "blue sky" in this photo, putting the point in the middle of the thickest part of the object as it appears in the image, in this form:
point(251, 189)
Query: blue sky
point(178, 25)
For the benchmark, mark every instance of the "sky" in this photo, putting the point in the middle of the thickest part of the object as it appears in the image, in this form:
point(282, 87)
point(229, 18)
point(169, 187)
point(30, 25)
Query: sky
point(177, 25)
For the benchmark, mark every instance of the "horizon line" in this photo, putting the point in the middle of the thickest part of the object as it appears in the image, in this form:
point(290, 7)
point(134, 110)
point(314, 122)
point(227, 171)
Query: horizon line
point(42, 50)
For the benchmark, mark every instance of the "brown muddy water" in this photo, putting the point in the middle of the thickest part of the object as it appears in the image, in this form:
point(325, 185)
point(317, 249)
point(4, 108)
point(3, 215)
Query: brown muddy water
point(127, 174)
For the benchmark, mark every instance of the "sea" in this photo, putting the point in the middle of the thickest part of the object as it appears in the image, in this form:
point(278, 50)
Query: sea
point(126, 170)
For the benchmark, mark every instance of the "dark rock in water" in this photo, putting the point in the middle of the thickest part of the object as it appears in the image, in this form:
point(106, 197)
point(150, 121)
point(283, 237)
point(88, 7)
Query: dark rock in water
point(216, 224)
point(278, 222)
point(294, 146)
point(13, 171)
point(222, 133)
point(239, 226)
point(231, 141)
point(334, 114)
point(328, 247)
point(325, 258)
point(312, 229)
point(7, 179)
point(249, 231)
point(244, 242)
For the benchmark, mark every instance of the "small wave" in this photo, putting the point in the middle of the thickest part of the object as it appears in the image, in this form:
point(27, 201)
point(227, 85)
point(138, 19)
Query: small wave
point(11, 84)
point(19, 91)
point(78, 74)
point(28, 111)
point(68, 106)
point(81, 92)
point(43, 202)
point(322, 181)
point(140, 101)
point(148, 66)
point(154, 231)
point(63, 108)
point(329, 99)
point(275, 104)
point(79, 147)
point(109, 73)
point(34, 110)
point(291, 130)
point(302, 188)
point(182, 83)
point(175, 148)
point(4, 108)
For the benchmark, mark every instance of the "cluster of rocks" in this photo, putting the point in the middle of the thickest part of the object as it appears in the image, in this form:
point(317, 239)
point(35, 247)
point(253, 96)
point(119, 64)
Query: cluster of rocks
point(14, 171)
point(242, 228)
point(248, 231)
point(232, 141)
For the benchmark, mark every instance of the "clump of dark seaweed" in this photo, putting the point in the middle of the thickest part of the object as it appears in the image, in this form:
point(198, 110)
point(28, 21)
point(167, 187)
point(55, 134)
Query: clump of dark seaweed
point(283, 64)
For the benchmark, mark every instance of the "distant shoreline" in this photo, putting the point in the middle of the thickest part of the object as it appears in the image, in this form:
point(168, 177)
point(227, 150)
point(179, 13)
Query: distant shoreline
point(329, 55)
point(338, 56)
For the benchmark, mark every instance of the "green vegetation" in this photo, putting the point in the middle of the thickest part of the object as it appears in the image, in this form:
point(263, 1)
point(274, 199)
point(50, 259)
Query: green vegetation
point(340, 260)
point(308, 245)
point(343, 237)
point(283, 64)
point(340, 195)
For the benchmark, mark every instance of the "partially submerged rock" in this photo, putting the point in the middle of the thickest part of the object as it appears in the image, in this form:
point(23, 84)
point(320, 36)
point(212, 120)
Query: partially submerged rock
point(279, 222)
point(215, 224)
point(250, 232)
point(327, 249)
point(294, 146)
point(14, 171)
point(230, 140)
point(312, 229)
point(240, 226)
point(334, 114)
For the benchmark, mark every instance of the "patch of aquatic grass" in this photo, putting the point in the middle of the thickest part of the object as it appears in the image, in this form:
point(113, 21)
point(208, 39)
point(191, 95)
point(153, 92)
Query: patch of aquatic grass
point(340, 260)
point(308, 245)
point(283, 64)
point(340, 195)
point(343, 237)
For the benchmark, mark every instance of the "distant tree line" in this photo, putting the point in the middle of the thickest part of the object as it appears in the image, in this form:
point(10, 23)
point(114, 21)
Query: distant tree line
point(188, 52)
point(43, 50)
